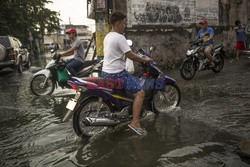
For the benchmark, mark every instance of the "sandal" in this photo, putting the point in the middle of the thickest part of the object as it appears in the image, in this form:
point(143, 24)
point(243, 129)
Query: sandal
point(139, 131)
point(212, 66)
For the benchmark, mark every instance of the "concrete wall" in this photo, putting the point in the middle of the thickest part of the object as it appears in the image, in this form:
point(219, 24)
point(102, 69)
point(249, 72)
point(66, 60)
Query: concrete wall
point(172, 44)
point(172, 12)
point(239, 11)
point(172, 39)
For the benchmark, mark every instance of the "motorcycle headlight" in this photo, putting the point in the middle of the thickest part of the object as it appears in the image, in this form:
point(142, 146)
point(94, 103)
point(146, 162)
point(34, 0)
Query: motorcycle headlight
point(189, 52)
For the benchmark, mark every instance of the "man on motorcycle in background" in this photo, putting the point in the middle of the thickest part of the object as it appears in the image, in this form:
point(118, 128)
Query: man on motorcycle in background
point(77, 49)
point(116, 49)
point(207, 34)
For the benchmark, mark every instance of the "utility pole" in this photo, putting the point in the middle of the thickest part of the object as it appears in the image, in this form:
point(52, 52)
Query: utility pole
point(69, 21)
point(102, 26)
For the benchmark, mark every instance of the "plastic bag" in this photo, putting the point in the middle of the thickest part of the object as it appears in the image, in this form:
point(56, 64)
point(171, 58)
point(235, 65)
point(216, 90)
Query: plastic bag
point(130, 66)
point(62, 75)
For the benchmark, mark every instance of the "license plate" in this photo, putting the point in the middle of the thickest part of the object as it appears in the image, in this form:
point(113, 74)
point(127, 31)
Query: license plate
point(71, 104)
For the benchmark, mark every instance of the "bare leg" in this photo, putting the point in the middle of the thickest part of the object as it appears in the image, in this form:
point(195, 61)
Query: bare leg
point(237, 55)
point(137, 106)
point(208, 54)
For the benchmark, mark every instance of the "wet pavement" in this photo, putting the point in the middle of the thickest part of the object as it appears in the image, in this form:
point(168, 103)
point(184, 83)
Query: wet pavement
point(213, 117)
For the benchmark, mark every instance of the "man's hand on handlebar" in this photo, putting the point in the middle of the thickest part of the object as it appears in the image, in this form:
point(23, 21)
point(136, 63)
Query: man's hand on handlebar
point(206, 40)
point(148, 59)
point(58, 56)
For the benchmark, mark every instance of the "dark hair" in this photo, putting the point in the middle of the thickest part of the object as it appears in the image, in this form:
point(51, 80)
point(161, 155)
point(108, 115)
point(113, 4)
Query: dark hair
point(237, 22)
point(116, 16)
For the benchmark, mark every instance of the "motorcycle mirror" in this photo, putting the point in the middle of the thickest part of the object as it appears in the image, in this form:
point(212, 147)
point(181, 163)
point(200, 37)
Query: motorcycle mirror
point(53, 56)
point(152, 48)
point(130, 43)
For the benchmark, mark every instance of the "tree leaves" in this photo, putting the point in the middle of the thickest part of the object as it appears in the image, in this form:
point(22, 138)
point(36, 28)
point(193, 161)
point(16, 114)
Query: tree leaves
point(18, 17)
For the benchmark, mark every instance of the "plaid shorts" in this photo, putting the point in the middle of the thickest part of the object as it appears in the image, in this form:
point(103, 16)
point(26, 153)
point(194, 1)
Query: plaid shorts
point(129, 83)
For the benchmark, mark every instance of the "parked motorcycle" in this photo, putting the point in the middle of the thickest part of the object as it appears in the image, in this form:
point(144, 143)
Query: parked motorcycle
point(196, 60)
point(45, 81)
point(97, 107)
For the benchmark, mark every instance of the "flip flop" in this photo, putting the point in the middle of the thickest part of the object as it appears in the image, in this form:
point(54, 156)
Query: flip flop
point(212, 66)
point(139, 131)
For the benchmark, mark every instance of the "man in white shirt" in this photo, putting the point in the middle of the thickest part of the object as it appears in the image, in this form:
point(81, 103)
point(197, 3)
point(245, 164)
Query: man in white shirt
point(116, 49)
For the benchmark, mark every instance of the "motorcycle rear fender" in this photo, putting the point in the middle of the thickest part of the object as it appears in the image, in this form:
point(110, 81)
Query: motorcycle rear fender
point(220, 50)
point(168, 80)
point(81, 100)
point(45, 72)
point(217, 51)
point(84, 97)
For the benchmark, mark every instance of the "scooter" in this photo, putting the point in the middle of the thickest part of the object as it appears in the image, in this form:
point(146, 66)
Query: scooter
point(196, 60)
point(45, 81)
point(101, 103)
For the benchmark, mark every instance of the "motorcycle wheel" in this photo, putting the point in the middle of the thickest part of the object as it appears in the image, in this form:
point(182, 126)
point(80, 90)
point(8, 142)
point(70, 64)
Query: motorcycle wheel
point(20, 66)
point(89, 108)
point(188, 69)
point(37, 87)
point(28, 64)
point(168, 99)
point(219, 63)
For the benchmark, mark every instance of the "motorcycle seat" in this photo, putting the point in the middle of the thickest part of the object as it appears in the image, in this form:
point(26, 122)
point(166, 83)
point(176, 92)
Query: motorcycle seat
point(88, 63)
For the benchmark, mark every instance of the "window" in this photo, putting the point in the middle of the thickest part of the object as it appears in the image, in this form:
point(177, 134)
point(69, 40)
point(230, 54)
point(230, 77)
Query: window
point(5, 41)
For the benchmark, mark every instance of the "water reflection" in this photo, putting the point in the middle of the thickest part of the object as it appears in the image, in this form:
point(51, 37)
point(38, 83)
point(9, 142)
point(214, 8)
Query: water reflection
point(176, 143)
point(32, 133)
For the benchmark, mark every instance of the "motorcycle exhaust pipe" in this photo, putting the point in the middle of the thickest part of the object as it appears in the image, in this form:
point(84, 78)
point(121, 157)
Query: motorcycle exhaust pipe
point(100, 121)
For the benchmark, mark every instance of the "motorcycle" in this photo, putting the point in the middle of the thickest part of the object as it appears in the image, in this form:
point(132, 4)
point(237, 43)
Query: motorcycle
point(196, 60)
point(96, 107)
point(45, 81)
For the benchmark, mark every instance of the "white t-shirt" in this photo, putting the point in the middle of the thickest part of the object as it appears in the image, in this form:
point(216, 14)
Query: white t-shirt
point(115, 47)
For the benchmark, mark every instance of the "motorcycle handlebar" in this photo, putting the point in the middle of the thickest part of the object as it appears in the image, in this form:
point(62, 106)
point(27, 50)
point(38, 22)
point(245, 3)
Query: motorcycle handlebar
point(198, 41)
point(141, 51)
point(56, 56)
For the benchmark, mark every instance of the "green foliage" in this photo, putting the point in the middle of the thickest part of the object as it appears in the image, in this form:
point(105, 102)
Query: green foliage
point(18, 17)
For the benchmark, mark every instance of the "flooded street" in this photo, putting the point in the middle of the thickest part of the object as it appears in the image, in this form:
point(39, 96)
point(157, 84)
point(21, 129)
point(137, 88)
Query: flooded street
point(213, 117)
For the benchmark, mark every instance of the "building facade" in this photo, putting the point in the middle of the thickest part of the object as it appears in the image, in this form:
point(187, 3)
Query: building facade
point(171, 24)
point(59, 37)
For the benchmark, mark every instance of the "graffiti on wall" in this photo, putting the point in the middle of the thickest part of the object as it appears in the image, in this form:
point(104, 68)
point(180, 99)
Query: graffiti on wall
point(157, 13)
point(207, 9)
point(170, 12)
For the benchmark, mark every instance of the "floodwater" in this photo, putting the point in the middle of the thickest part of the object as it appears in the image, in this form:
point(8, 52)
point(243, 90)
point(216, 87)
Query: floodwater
point(32, 133)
